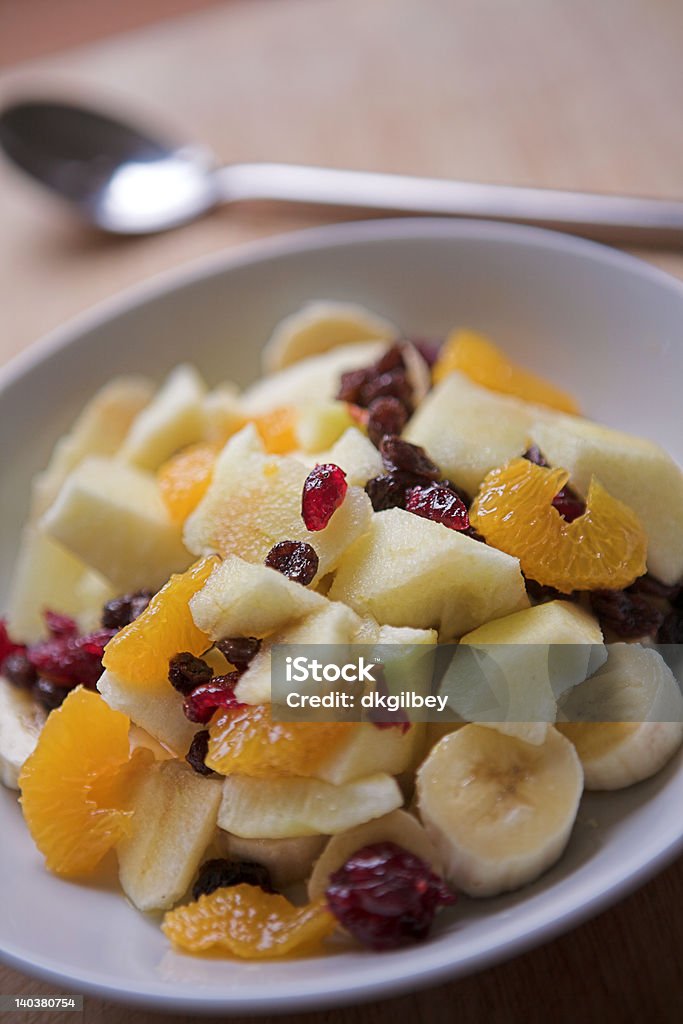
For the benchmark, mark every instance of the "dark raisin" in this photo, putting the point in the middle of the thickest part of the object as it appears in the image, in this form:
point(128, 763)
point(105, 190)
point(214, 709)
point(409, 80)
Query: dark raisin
point(50, 695)
point(649, 586)
point(671, 631)
point(535, 455)
point(196, 755)
point(200, 704)
point(568, 504)
point(240, 651)
point(628, 616)
point(399, 455)
point(323, 492)
point(440, 504)
point(70, 661)
point(390, 360)
point(385, 416)
point(389, 490)
point(60, 626)
point(386, 897)
point(474, 534)
point(221, 873)
point(18, 670)
point(121, 611)
point(295, 559)
point(350, 386)
point(540, 593)
point(394, 384)
point(186, 672)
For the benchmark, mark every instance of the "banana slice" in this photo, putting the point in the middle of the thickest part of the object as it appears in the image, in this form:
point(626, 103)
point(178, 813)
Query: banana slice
point(626, 722)
point(499, 810)
point(397, 827)
point(319, 326)
point(21, 721)
point(290, 807)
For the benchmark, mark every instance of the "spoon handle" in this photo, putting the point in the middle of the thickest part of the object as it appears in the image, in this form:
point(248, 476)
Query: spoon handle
point(607, 217)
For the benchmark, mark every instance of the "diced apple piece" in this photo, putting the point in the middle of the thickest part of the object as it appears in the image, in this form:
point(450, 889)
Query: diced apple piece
point(222, 414)
point(243, 599)
point(46, 575)
point(21, 721)
point(636, 471)
point(369, 749)
point(320, 424)
point(160, 713)
point(111, 516)
point(409, 571)
point(288, 860)
point(281, 808)
point(318, 376)
point(357, 456)
point(320, 326)
point(174, 820)
point(468, 430)
point(254, 501)
point(171, 421)
point(99, 430)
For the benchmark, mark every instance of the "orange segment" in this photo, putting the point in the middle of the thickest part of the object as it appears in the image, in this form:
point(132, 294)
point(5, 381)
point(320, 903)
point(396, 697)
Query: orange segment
point(247, 922)
point(277, 429)
point(184, 479)
point(140, 653)
point(248, 741)
point(76, 785)
point(604, 548)
point(485, 364)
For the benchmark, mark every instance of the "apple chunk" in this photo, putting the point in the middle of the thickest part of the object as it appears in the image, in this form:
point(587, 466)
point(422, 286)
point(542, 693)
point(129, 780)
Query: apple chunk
point(172, 420)
point(111, 516)
point(409, 571)
point(159, 712)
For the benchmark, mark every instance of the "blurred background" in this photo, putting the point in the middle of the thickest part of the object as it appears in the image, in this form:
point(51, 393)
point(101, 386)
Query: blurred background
point(579, 94)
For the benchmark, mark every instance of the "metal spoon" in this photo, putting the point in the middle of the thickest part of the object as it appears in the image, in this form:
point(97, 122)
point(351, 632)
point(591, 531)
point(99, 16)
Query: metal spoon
point(127, 182)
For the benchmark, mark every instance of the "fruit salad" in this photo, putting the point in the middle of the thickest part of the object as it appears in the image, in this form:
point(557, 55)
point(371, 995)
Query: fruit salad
point(370, 488)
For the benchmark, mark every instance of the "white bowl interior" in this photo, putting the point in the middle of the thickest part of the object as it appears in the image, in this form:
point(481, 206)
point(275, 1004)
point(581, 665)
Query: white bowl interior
point(598, 323)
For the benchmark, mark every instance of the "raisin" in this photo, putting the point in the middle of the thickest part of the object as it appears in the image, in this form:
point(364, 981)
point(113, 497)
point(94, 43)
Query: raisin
point(121, 611)
point(323, 492)
point(200, 704)
point(221, 873)
point(535, 455)
point(70, 661)
point(568, 504)
point(540, 593)
point(671, 630)
point(394, 384)
point(628, 616)
point(401, 456)
point(386, 416)
point(386, 897)
point(650, 586)
point(389, 490)
point(295, 559)
point(387, 378)
point(240, 651)
point(440, 504)
point(350, 386)
point(196, 755)
point(50, 695)
point(18, 670)
point(186, 672)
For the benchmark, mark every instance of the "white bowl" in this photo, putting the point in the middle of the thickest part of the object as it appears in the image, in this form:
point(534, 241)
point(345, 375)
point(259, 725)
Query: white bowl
point(599, 323)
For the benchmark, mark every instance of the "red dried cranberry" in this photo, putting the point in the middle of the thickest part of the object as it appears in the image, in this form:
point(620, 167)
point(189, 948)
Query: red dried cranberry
point(196, 755)
point(383, 717)
point(121, 611)
point(186, 672)
point(568, 504)
point(399, 455)
point(71, 661)
point(324, 491)
point(385, 416)
point(60, 626)
point(240, 651)
point(18, 670)
point(200, 704)
point(671, 631)
point(628, 616)
point(295, 559)
point(50, 695)
point(221, 873)
point(462, 494)
point(389, 490)
point(7, 645)
point(440, 504)
point(386, 897)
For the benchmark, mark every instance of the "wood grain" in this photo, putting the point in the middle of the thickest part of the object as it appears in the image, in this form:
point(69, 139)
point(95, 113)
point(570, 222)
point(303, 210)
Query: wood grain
point(545, 92)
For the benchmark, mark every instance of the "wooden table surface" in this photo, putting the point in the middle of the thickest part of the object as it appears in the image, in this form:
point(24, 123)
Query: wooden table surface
point(579, 94)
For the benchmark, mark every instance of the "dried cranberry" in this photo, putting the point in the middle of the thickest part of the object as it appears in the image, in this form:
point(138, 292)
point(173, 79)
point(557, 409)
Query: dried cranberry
point(385, 416)
point(671, 631)
point(200, 704)
point(7, 646)
point(295, 559)
point(386, 897)
point(399, 455)
point(462, 494)
point(196, 755)
point(50, 695)
point(240, 651)
point(389, 490)
point(626, 615)
point(221, 873)
point(70, 661)
point(383, 717)
point(568, 504)
point(186, 672)
point(535, 455)
point(324, 491)
point(60, 626)
point(440, 504)
point(121, 611)
point(18, 670)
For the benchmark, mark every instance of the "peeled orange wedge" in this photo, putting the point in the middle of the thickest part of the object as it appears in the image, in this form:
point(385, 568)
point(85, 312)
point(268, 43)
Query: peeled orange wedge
point(484, 363)
point(605, 548)
point(247, 922)
point(184, 479)
point(76, 786)
point(140, 652)
point(277, 429)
